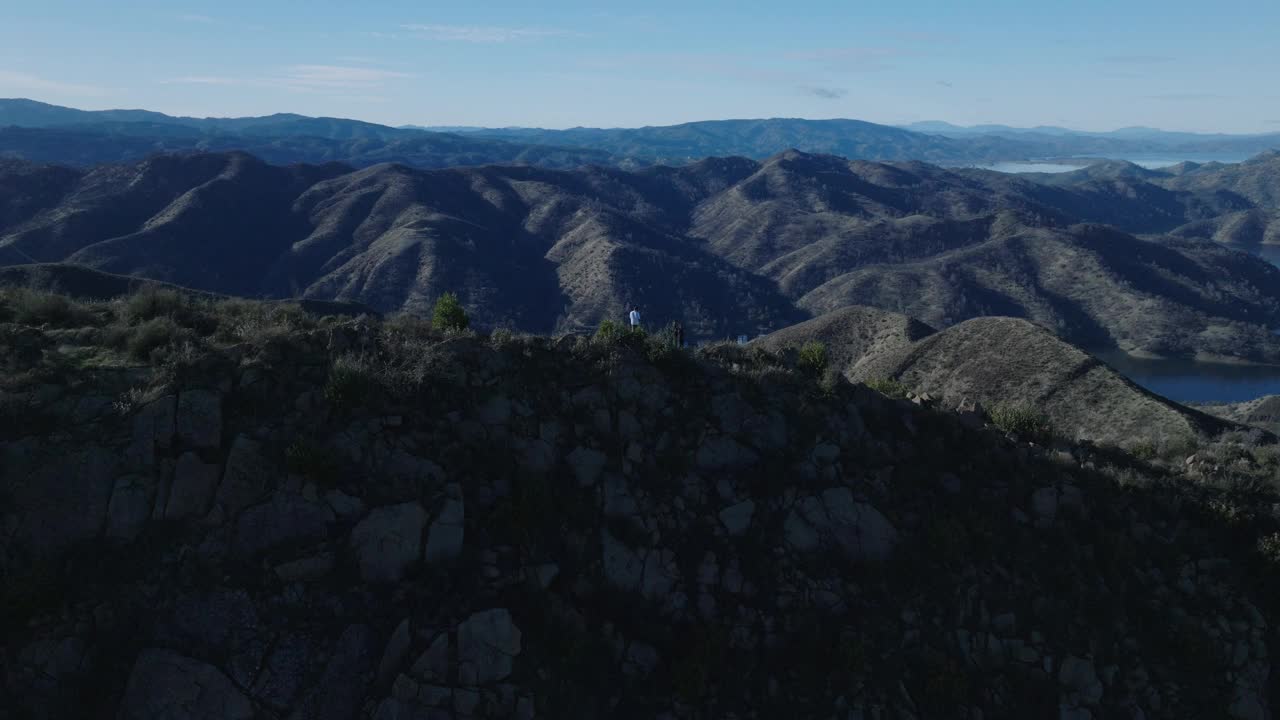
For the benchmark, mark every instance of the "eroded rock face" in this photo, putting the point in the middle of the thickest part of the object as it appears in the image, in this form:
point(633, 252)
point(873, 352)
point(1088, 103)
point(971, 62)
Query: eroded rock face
point(622, 537)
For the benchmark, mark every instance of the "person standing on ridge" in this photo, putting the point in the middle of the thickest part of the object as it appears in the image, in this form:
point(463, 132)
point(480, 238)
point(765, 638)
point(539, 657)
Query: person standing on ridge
point(679, 333)
point(635, 317)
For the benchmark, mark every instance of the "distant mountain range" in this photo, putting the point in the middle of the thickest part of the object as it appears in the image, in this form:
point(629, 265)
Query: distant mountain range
point(727, 245)
point(47, 133)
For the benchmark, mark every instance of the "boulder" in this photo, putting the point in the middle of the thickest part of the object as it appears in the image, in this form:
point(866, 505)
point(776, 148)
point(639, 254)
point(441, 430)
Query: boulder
point(737, 518)
point(130, 506)
point(247, 478)
point(167, 686)
point(859, 529)
point(388, 541)
point(444, 538)
point(587, 465)
point(194, 483)
point(488, 643)
point(199, 419)
point(287, 520)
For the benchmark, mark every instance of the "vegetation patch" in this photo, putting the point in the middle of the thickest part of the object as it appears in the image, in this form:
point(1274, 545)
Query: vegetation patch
point(813, 358)
point(1023, 421)
point(449, 314)
point(889, 388)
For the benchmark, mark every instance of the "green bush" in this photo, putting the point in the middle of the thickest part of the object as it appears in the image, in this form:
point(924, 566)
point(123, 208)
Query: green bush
point(152, 303)
point(609, 332)
point(350, 383)
point(448, 314)
point(32, 307)
point(813, 358)
point(153, 335)
point(1144, 450)
point(889, 388)
point(1023, 421)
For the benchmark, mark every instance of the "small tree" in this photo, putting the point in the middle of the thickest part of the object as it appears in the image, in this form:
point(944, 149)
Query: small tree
point(813, 358)
point(448, 314)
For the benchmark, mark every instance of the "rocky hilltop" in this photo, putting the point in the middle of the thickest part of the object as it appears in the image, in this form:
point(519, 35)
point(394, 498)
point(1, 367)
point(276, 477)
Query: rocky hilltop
point(236, 510)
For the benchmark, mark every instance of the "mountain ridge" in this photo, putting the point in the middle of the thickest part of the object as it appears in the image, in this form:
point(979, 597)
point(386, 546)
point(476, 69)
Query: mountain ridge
point(728, 246)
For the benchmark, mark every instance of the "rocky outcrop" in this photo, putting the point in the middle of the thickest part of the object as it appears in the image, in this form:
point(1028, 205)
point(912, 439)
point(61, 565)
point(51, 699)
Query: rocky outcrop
point(715, 534)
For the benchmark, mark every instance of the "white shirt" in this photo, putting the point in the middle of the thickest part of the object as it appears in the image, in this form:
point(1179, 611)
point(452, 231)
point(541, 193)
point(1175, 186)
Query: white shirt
point(635, 318)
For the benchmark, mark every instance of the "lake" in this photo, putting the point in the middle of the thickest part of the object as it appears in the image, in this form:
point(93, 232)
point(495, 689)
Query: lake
point(1191, 381)
point(1058, 165)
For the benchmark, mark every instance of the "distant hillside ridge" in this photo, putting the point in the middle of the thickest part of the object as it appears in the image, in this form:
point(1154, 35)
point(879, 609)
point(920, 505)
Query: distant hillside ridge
point(727, 246)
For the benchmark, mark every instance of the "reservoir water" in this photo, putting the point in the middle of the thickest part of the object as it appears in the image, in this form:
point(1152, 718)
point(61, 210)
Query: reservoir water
point(1058, 165)
point(1189, 381)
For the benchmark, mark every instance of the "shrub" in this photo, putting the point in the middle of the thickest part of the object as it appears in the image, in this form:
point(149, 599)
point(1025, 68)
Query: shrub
point(448, 314)
point(32, 307)
point(1144, 450)
point(889, 388)
point(1023, 421)
point(609, 332)
point(813, 358)
point(349, 384)
point(153, 335)
point(152, 303)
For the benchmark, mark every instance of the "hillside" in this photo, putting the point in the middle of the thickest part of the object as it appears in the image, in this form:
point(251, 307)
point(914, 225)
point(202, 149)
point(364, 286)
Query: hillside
point(1001, 362)
point(1263, 412)
point(727, 246)
point(237, 511)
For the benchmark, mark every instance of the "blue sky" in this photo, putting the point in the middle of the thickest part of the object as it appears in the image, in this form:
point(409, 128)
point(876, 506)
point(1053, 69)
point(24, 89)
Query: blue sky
point(1175, 64)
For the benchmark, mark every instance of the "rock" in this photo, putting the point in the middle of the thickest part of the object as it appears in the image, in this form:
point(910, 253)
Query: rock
point(199, 419)
point(284, 671)
point(247, 478)
point(861, 531)
point(1078, 676)
point(64, 497)
point(153, 429)
point(1044, 503)
point(617, 497)
point(444, 539)
point(342, 686)
point(130, 507)
point(623, 567)
point(587, 465)
point(166, 685)
point(432, 665)
point(308, 568)
point(343, 504)
point(737, 518)
point(496, 411)
point(396, 650)
point(488, 643)
point(722, 452)
point(194, 483)
point(388, 541)
point(287, 520)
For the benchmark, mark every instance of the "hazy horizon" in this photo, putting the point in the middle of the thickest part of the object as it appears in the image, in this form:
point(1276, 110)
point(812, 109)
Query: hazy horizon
point(567, 64)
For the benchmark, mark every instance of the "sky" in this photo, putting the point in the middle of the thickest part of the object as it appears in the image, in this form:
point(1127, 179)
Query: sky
point(1084, 64)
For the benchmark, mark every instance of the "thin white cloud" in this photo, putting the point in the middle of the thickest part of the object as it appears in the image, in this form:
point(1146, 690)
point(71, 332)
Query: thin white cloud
point(304, 78)
point(340, 76)
point(14, 82)
point(484, 34)
point(202, 19)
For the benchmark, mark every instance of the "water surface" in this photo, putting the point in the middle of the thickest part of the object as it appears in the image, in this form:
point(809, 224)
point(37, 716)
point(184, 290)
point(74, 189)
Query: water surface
point(1192, 381)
